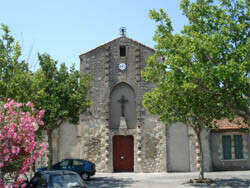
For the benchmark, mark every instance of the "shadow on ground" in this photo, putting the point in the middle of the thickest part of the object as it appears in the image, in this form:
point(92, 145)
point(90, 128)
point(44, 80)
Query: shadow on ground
point(232, 182)
point(107, 182)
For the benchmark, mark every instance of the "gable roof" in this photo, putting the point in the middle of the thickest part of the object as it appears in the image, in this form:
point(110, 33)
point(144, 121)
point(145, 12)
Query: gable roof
point(107, 43)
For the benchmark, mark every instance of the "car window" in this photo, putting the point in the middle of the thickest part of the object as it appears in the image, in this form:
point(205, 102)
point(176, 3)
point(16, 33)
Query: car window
point(77, 162)
point(66, 181)
point(64, 163)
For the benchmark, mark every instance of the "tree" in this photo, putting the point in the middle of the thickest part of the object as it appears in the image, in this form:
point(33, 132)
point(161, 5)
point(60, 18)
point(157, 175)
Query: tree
point(201, 73)
point(61, 93)
point(18, 146)
point(15, 77)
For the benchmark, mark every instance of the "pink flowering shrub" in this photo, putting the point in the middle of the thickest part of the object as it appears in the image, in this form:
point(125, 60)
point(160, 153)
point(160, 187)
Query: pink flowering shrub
point(18, 146)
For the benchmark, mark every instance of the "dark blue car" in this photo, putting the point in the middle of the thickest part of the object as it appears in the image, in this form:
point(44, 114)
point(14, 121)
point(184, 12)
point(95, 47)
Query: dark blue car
point(83, 167)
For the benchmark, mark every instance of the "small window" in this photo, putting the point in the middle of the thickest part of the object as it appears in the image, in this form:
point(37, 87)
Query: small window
point(238, 147)
point(122, 51)
point(226, 144)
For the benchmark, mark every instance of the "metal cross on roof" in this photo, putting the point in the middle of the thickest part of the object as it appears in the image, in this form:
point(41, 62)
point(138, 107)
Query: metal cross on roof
point(123, 31)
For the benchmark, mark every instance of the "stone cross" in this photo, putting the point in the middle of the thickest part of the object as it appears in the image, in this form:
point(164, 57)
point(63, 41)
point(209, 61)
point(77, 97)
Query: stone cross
point(122, 101)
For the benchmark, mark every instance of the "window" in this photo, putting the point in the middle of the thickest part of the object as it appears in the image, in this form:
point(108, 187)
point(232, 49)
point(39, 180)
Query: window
point(232, 143)
point(77, 163)
point(64, 163)
point(238, 147)
point(122, 51)
point(226, 144)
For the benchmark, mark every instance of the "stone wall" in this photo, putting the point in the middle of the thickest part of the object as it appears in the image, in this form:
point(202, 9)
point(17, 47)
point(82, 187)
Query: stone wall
point(43, 160)
point(205, 135)
point(153, 145)
point(217, 152)
point(149, 134)
point(156, 148)
point(93, 142)
point(192, 149)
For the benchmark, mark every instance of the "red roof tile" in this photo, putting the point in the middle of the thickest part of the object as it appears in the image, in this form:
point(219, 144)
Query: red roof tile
point(225, 124)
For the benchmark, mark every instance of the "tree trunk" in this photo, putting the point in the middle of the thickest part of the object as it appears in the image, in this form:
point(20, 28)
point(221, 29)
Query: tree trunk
point(201, 174)
point(50, 153)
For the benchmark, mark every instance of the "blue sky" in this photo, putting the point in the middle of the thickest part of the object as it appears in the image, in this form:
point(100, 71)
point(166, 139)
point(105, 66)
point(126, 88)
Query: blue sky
point(65, 28)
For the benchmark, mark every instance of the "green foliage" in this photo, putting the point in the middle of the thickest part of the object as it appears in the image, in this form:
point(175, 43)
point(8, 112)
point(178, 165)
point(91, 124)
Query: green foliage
point(15, 77)
point(205, 68)
point(202, 73)
point(61, 92)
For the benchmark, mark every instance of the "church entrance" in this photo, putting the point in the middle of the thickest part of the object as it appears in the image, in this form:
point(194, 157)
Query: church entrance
point(123, 153)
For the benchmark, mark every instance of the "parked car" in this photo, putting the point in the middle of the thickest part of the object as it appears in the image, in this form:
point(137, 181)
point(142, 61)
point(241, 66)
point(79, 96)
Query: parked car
point(56, 179)
point(83, 167)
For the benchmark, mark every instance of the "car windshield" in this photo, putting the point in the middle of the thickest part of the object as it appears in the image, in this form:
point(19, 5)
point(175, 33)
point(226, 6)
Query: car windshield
point(66, 181)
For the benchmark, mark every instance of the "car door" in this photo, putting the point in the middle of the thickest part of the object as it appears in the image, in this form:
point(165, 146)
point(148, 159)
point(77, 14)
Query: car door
point(77, 166)
point(63, 165)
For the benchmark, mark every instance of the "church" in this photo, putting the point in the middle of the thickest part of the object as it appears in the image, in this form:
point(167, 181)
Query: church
point(119, 134)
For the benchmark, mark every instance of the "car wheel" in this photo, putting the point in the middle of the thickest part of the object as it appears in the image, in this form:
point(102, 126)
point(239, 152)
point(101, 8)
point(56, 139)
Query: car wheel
point(85, 176)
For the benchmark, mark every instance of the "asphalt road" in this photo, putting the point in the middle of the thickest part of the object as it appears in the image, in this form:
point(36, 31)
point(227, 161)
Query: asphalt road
point(167, 180)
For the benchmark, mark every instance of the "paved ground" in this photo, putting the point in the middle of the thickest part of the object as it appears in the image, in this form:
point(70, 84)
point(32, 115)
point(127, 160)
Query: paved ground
point(168, 180)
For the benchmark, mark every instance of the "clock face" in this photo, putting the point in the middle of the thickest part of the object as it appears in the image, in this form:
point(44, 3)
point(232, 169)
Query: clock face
point(122, 66)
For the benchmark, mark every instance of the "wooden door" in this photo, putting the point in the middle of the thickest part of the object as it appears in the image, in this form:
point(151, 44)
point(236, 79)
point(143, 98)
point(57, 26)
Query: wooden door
point(123, 153)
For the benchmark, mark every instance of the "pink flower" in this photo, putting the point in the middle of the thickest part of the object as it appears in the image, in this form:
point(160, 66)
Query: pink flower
point(6, 106)
point(14, 136)
point(40, 122)
point(6, 158)
point(17, 136)
point(20, 179)
point(30, 104)
point(19, 105)
point(15, 150)
point(1, 184)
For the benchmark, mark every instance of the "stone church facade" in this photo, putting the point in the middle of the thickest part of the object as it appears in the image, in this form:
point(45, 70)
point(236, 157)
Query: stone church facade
point(118, 134)
point(121, 135)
